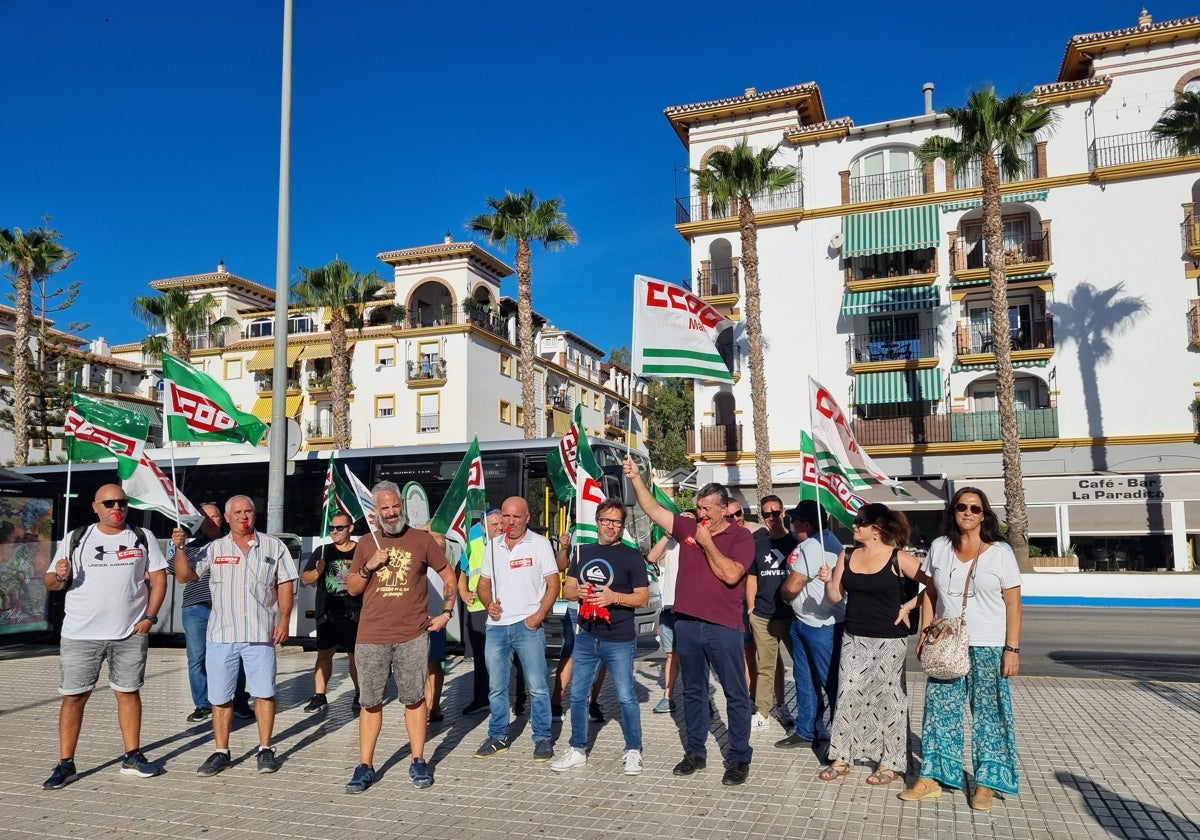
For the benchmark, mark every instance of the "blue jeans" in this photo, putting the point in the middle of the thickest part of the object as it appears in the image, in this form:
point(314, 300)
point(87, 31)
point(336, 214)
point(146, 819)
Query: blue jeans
point(530, 647)
point(816, 652)
point(590, 651)
point(195, 629)
point(702, 645)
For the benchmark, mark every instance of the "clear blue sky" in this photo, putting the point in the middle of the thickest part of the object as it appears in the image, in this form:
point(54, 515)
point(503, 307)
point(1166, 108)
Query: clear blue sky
point(149, 130)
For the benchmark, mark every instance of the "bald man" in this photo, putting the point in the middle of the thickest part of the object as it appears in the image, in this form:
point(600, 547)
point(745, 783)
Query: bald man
point(109, 613)
point(518, 585)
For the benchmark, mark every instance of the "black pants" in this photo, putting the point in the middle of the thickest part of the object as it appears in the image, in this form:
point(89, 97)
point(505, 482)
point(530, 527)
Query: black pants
point(477, 637)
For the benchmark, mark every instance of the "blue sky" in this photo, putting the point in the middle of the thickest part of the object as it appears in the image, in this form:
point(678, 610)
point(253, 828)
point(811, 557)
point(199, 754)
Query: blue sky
point(149, 130)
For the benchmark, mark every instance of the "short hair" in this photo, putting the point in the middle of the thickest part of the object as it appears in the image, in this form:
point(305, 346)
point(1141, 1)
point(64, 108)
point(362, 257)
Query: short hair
point(385, 487)
point(770, 497)
point(714, 489)
point(611, 504)
point(229, 503)
point(808, 511)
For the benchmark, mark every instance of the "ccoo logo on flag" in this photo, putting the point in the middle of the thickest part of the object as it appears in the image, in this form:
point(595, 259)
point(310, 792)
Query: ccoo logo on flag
point(201, 412)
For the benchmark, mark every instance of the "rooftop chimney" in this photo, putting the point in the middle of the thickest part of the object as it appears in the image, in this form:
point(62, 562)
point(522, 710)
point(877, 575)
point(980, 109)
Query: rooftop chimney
point(928, 90)
point(448, 238)
point(751, 91)
point(1144, 18)
point(221, 267)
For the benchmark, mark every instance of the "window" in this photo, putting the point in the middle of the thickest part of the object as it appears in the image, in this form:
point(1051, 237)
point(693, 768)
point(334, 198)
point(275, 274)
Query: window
point(1019, 246)
point(893, 337)
point(505, 411)
point(385, 355)
point(521, 416)
point(1020, 326)
point(506, 364)
point(300, 324)
point(429, 412)
point(886, 173)
point(596, 400)
point(260, 328)
point(233, 368)
point(385, 406)
point(583, 396)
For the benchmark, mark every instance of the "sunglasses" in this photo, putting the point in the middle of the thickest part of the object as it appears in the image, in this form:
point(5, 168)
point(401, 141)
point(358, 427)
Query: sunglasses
point(735, 515)
point(859, 522)
point(771, 514)
point(962, 507)
point(338, 527)
point(111, 503)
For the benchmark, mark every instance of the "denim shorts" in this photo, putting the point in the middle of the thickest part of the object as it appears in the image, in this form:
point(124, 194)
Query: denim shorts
point(221, 661)
point(79, 663)
point(666, 629)
point(408, 661)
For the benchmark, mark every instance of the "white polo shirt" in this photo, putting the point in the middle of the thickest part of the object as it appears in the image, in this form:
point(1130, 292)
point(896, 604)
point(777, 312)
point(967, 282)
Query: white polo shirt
point(518, 575)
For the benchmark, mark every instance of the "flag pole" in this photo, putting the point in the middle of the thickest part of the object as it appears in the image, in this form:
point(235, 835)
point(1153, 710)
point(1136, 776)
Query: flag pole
point(67, 497)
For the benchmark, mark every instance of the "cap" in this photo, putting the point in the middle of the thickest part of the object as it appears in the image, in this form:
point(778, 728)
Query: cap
point(807, 511)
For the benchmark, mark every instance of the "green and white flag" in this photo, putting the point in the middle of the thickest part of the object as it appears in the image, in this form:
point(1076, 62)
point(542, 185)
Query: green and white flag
point(828, 489)
point(339, 498)
point(589, 489)
point(560, 464)
point(657, 533)
point(675, 333)
point(834, 446)
point(465, 498)
point(95, 430)
point(148, 488)
point(197, 408)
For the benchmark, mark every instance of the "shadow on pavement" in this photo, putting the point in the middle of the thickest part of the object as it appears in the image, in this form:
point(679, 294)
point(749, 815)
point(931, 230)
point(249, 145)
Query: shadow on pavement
point(1123, 817)
point(1161, 667)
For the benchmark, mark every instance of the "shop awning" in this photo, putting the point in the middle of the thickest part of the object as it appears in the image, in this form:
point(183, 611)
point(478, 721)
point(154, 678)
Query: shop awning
point(898, 386)
point(891, 300)
point(262, 407)
point(887, 231)
point(967, 204)
point(263, 359)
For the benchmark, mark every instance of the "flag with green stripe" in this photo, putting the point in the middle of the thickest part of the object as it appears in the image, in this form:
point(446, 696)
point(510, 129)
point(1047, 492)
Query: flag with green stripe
point(828, 489)
point(676, 334)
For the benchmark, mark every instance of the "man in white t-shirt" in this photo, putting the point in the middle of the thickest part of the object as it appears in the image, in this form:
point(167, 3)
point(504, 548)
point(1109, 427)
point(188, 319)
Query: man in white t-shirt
point(518, 586)
point(105, 569)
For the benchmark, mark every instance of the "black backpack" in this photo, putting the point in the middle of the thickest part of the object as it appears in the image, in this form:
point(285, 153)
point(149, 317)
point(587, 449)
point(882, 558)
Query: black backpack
point(140, 541)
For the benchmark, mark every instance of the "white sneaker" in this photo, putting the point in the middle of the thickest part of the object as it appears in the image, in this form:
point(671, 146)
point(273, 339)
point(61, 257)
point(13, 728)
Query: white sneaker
point(633, 762)
point(759, 722)
point(571, 758)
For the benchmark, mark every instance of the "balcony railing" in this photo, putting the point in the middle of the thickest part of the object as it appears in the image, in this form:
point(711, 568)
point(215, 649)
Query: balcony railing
point(1193, 319)
point(698, 208)
point(1034, 334)
point(891, 346)
point(718, 281)
point(426, 369)
point(323, 429)
point(985, 425)
point(723, 438)
point(428, 422)
point(487, 319)
point(887, 185)
point(1038, 423)
point(1189, 233)
point(1018, 249)
point(1133, 147)
point(972, 176)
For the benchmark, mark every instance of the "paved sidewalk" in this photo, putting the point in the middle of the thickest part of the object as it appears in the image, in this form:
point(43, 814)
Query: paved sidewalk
point(1099, 758)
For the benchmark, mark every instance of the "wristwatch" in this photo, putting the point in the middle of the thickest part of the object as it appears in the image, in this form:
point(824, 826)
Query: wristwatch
point(1012, 649)
point(153, 619)
point(447, 612)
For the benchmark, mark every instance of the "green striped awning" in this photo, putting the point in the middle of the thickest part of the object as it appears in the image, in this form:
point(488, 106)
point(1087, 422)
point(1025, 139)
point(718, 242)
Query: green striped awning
point(967, 204)
point(891, 300)
point(897, 386)
point(1017, 363)
point(887, 231)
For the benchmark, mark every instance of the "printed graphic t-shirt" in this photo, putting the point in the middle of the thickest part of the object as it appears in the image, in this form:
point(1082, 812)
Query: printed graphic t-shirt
point(397, 597)
point(620, 568)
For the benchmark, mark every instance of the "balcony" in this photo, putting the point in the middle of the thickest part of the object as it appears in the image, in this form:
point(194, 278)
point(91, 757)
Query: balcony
point(891, 347)
point(1024, 255)
point(1031, 340)
point(1193, 319)
point(701, 208)
point(1189, 233)
point(321, 432)
point(887, 185)
point(1032, 424)
point(428, 422)
point(718, 282)
point(426, 371)
point(486, 319)
point(1133, 147)
point(726, 438)
point(264, 386)
point(972, 177)
point(985, 425)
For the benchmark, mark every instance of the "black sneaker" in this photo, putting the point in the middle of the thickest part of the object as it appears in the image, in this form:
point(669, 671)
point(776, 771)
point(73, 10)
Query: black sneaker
point(792, 741)
point(201, 714)
point(355, 706)
point(317, 703)
point(543, 750)
point(594, 713)
point(689, 765)
point(476, 708)
point(491, 746)
point(267, 762)
point(216, 762)
point(362, 779)
point(436, 717)
point(136, 764)
point(64, 773)
point(243, 711)
point(736, 773)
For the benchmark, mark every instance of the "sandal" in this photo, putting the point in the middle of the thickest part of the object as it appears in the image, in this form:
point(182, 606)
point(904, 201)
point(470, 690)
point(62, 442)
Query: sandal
point(834, 771)
point(883, 776)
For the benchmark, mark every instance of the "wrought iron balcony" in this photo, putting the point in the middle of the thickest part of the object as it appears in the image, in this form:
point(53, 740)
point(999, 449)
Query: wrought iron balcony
point(1038, 423)
point(972, 176)
point(887, 347)
point(723, 438)
point(426, 369)
point(1018, 249)
point(887, 185)
point(925, 428)
point(1034, 334)
point(1193, 319)
point(718, 281)
point(1132, 147)
point(428, 422)
point(985, 425)
point(701, 207)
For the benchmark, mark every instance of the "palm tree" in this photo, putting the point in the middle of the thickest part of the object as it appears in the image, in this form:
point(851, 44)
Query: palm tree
point(180, 316)
point(743, 175)
point(1180, 123)
point(994, 131)
point(523, 219)
point(31, 255)
point(343, 294)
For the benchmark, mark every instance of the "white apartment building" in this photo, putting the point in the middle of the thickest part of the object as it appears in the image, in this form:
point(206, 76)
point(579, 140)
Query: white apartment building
point(435, 362)
point(874, 281)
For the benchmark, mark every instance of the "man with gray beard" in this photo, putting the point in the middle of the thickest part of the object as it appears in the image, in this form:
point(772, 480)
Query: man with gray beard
point(389, 571)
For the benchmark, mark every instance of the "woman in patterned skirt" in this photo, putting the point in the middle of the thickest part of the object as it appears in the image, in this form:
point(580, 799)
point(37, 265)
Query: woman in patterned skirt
point(871, 721)
point(992, 584)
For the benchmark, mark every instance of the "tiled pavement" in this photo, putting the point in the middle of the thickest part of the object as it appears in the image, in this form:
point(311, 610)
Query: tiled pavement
point(1099, 757)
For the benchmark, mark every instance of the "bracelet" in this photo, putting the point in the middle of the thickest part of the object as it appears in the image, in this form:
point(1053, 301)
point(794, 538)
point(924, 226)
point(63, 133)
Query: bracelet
point(1012, 649)
point(365, 573)
point(618, 599)
point(448, 612)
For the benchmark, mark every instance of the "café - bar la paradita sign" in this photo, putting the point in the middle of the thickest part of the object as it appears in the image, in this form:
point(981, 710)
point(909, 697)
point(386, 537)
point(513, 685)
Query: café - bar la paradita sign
point(1072, 489)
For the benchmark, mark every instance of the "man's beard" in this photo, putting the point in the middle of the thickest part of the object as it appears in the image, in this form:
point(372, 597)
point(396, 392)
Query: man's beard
point(392, 528)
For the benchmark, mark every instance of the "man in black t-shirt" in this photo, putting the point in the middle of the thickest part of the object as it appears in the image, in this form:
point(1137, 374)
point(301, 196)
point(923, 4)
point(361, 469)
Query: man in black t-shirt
point(609, 580)
point(770, 616)
point(337, 610)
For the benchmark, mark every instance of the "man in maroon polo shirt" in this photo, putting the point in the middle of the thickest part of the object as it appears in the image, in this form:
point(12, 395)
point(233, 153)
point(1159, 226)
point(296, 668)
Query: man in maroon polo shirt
point(710, 591)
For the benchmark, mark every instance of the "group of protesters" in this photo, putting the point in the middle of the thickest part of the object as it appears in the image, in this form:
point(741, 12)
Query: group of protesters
point(734, 603)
